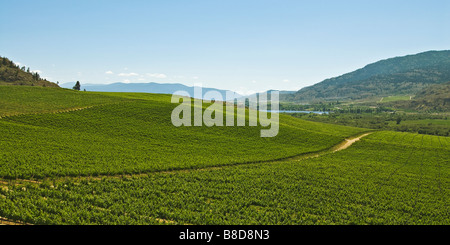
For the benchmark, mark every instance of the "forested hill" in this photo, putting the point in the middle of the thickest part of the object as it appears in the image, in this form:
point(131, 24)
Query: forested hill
point(12, 74)
point(401, 75)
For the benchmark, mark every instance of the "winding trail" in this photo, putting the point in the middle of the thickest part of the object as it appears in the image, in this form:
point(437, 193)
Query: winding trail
point(5, 221)
point(348, 142)
point(339, 147)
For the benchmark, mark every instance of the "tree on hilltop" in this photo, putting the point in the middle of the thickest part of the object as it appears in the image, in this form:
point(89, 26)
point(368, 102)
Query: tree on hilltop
point(77, 86)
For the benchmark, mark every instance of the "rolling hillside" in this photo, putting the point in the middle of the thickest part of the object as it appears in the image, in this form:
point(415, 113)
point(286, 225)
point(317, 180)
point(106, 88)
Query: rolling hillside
point(88, 133)
point(396, 76)
point(114, 158)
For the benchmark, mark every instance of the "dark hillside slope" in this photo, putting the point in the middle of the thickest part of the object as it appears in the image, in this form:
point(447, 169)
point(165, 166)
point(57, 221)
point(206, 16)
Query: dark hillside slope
point(401, 75)
point(435, 98)
point(12, 74)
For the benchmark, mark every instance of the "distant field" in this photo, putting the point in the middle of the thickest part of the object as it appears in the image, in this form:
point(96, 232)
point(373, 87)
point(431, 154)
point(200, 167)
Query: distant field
point(428, 121)
point(395, 98)
point(441, 123)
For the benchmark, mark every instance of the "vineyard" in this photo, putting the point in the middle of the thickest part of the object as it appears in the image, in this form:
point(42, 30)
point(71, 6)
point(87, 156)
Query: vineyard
point(17, 100)
point(118, 160)
point(137, 136)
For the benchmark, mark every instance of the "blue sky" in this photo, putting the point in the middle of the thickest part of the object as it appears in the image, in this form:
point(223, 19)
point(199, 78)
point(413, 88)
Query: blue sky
point(241, 45)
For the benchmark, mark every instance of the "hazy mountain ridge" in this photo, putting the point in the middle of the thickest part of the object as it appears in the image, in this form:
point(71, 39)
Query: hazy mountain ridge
point(156, 88)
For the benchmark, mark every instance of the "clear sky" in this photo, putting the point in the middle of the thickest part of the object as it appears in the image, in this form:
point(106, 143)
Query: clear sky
point(241, 45)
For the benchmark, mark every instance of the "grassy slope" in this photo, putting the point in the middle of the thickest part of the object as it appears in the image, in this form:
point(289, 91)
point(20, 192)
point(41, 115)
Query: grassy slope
point(16, 100)
point(132, 133)
point(396, 98)
point(386, 178)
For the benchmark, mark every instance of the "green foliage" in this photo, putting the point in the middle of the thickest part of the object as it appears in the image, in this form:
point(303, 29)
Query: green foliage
point(386, 178)
point(136, 135)
point(201, 175)
point(29, 100)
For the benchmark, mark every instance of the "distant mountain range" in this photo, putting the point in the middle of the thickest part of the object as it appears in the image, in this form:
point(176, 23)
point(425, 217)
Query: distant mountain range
point(156, 88)
point(396, 76)
point(407, 75)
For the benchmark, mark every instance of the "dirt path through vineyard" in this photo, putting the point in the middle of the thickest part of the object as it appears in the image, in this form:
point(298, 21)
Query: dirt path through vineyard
point(349, 142)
